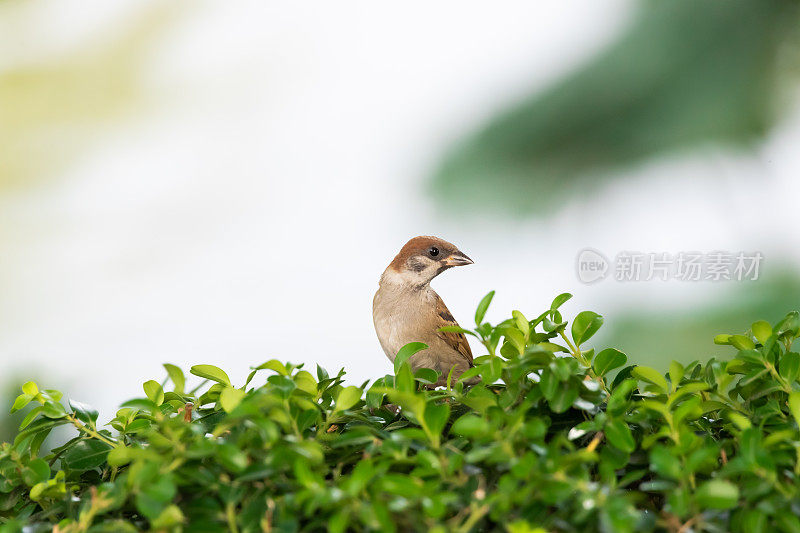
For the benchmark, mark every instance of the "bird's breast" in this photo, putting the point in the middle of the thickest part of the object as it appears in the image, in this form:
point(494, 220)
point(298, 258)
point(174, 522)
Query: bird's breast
point(399, 318)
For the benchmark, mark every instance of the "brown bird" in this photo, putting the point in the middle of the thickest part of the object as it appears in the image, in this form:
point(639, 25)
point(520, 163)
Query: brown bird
point(406, 309)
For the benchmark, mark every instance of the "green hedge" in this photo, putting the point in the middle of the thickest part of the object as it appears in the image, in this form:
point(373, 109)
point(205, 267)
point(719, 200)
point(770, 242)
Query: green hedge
point(547, 440)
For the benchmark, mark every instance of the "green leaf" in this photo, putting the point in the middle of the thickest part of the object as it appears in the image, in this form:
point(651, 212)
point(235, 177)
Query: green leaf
point(470, 426)
point(37, 471)
point(140, 403)
point(664, 463)
point(549, 383)
point(232, 457)
point(375, 394)
point(404, 379)
point(559, 300)
point(585, 325)
point(138, 425)
point(29, 387)
point(794, 405)
point(53, 410)
point(491, 370)
point(32, 414)
point(348, 397)
point(84, 412)
point(551, 347)
point(211, 372)
point(751, 356)
point(561, 368)
point(306, 382)
point(250, 377)
point(154, 392)
point(283, 384)
point(426, 375)
point(155, 496)
point(790, 325)
point(675, 373)
point(436, 417)
point(409, 401)
point(618, 401)
point(54, 489)
point(553, 327)
point(480, 312)
point(162, 488)
point(522, 324)
point(39, 426)
point(761, 331)
point(607, 360)
point(650, 375)
point(119, 456)
point(176, 376)
point(741, 421)
point(274, 365)
point(407, 351)
point(742, 342)
point(21, 401)
point(51, 394)
point(86, 454)
point(565, 395)
point(723, 338)
point(230, 397)
point(517, 339)
point(688, 388)
point(457, 329)
point(170, 517)
point(788, 522)
point(619, 435)
point(717, 494)
point(789, 366)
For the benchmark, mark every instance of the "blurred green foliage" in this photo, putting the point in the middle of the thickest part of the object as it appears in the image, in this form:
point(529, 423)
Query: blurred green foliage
point(9, 423)
point(543, 442)
point(686, 73)
point(685, 333)
point(50, 111)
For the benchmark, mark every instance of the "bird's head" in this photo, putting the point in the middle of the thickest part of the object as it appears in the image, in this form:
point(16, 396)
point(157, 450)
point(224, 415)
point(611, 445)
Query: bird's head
point(422, 259)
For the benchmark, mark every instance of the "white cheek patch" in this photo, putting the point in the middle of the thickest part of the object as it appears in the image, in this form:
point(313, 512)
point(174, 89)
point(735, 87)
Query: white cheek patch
point(419, 278)
point(394, 277)
point(419, 270)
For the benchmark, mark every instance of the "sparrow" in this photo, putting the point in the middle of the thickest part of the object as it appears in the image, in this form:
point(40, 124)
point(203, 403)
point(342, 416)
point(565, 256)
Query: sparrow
point(406, 309)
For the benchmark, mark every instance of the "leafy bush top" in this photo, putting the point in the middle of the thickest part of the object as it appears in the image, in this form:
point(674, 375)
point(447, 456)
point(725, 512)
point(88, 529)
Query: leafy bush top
point(547, 440)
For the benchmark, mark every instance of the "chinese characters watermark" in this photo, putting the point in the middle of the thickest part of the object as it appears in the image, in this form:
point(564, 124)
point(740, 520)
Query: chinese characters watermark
point(593, 266)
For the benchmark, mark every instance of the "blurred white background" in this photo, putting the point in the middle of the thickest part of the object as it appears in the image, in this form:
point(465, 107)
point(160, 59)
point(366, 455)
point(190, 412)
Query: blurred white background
point(259, 164)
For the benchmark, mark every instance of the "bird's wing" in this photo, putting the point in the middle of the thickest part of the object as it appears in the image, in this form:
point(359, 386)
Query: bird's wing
point(454, 339)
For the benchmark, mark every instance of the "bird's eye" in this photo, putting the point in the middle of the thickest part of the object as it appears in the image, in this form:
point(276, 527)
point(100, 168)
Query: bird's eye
point(433, 251)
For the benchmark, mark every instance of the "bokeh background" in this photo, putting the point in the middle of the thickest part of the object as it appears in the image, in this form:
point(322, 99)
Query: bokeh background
point(224, 182)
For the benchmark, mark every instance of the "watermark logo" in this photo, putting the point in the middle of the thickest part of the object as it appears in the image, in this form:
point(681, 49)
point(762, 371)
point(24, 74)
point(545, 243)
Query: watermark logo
point(592, 266)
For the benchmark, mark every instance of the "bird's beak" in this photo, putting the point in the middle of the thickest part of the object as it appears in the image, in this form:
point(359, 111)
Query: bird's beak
point(457, 259)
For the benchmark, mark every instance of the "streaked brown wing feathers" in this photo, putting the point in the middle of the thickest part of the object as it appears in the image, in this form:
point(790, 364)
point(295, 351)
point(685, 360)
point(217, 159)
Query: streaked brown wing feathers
point(456, 340)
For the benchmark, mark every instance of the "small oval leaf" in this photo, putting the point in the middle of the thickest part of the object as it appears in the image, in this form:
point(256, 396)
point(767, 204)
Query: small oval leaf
point(607, 360)
point(483, 306)
point(650, 375)
point(211, 372)
point(407, 351)
point(585, 325)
